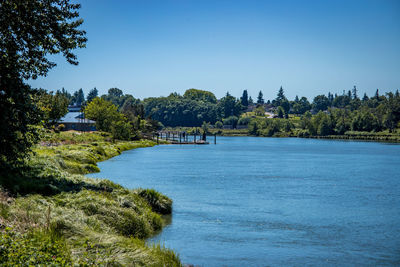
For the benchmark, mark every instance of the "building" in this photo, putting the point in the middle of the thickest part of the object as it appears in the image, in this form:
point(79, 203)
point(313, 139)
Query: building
point(75, 120)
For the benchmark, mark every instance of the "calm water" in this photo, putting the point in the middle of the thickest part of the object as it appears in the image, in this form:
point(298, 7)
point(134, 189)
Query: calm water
point(273, 201)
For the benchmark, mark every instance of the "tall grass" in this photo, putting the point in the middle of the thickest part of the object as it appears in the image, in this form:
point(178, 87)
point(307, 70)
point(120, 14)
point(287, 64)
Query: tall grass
point(57, 216)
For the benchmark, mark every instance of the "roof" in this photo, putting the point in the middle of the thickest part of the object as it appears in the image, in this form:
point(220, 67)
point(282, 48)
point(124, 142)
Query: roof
point(74, 108)
point(75, 117)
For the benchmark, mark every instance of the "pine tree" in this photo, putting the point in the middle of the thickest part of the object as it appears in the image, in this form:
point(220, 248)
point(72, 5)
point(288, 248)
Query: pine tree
point(260, 99)
point(281, 94)
point(92, 94)
point(377, 94)
point(244, 99)
point(251, 102)
point(355, 96)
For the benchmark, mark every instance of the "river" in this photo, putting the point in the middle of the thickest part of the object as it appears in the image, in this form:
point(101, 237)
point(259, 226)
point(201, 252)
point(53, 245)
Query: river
point(249, 201)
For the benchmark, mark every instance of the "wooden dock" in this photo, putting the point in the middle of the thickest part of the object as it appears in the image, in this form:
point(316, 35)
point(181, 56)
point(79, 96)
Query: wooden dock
point(182, 138)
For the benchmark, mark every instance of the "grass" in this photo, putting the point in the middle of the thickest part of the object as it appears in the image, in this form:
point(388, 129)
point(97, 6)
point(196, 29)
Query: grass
point(53, 215)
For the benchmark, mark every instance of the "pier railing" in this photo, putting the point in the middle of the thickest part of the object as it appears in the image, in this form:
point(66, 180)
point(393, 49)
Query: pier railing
point(183, 138)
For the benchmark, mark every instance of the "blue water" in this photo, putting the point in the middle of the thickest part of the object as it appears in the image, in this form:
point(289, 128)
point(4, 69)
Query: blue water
point(251, 201)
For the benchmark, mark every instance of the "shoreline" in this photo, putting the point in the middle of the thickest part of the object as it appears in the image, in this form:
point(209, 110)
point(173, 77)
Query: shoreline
point(357, 136)
point(95, 221)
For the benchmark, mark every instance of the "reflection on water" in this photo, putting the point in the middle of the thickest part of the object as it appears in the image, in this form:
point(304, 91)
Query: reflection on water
point(273, 201)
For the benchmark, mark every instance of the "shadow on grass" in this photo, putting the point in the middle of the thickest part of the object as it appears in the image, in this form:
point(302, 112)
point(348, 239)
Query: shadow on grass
point(38, 180)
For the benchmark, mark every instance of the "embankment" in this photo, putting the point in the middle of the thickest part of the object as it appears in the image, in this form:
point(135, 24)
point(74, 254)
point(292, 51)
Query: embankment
point(52, 214)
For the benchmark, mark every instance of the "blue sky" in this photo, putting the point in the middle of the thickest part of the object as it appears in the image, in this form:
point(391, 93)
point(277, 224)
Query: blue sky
point(153, 48)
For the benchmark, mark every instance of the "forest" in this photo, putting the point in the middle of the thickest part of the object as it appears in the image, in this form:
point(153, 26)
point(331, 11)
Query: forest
point(330, 114)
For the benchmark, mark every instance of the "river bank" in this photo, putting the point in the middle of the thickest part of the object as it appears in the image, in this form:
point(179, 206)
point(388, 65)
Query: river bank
point(52, 214)
point(384, 136)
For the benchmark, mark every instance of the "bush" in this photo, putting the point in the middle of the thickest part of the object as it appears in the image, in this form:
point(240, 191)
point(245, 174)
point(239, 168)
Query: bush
point(158, 202)
point(33, 248)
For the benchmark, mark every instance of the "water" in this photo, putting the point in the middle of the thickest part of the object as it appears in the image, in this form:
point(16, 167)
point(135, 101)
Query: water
point(251, 201)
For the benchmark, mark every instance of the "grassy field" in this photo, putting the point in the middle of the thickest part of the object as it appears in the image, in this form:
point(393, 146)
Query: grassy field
point(51, 214)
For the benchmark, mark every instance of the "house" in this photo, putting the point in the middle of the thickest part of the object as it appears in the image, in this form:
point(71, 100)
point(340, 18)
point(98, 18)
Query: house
point(75, 120)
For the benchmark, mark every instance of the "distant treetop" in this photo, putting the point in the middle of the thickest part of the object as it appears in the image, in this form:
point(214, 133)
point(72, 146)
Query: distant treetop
point(197, 94)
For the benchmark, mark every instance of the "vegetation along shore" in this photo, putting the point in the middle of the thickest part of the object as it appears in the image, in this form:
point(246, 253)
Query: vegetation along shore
point(52, 214)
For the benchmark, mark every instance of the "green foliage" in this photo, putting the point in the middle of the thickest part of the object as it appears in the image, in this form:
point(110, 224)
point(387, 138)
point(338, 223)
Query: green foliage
point(244, 100)
point(260, 99)
point(175, 110)
point(244, 121)
point(92, 95)
point(200, 95)
point(52, 106)
point(280, 112)
point(232, 120)
point(158, 202)
point(76, 220)
point(260, 110)
point(37, 247)
point(279, 98)
point(218, 125)
point(30, 30)
point(320, 103)
point(301, 106)
point(108, 119)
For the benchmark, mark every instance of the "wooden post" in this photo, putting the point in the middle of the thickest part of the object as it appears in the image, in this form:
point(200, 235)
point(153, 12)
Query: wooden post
point(194, 138)
point(215, 138)
point(157, 139)
point(180, 138)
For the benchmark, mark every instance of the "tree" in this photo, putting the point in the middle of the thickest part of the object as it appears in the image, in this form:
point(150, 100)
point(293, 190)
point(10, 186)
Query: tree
point(115, 92)
point(78, 98)
point(103, 112)
point(286, 106)
point(301, 106)
point(325, 127)
point(354, 92)
point(218, 125)
point(92, 94)
point(229, 106)
point(321, 102)
point(196, 94)
point(280, 112)
point(232, 120)
point(260, 99)
point(365, 98)
point(244, 99)
point(280, 97)
point(377, 94)
point(260, 111)
point(30, 30)
point(52, 106)
point(251, 102)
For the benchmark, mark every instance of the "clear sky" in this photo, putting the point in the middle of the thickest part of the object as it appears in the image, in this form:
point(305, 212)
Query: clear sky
point(152, 48)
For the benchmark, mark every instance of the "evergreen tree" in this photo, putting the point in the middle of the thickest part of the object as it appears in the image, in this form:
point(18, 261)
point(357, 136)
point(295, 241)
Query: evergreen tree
point(365, 98)
point(244, 99)
point(78, 97)
point(251, 102)
point(296, 99)
point(260, 99)
point(92, 94)
point(377, 94)
point(281, 96)
point(280, 112)
point(355, 95)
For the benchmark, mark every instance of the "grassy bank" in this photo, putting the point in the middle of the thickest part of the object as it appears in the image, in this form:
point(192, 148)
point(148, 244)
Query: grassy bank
point(52, 214)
